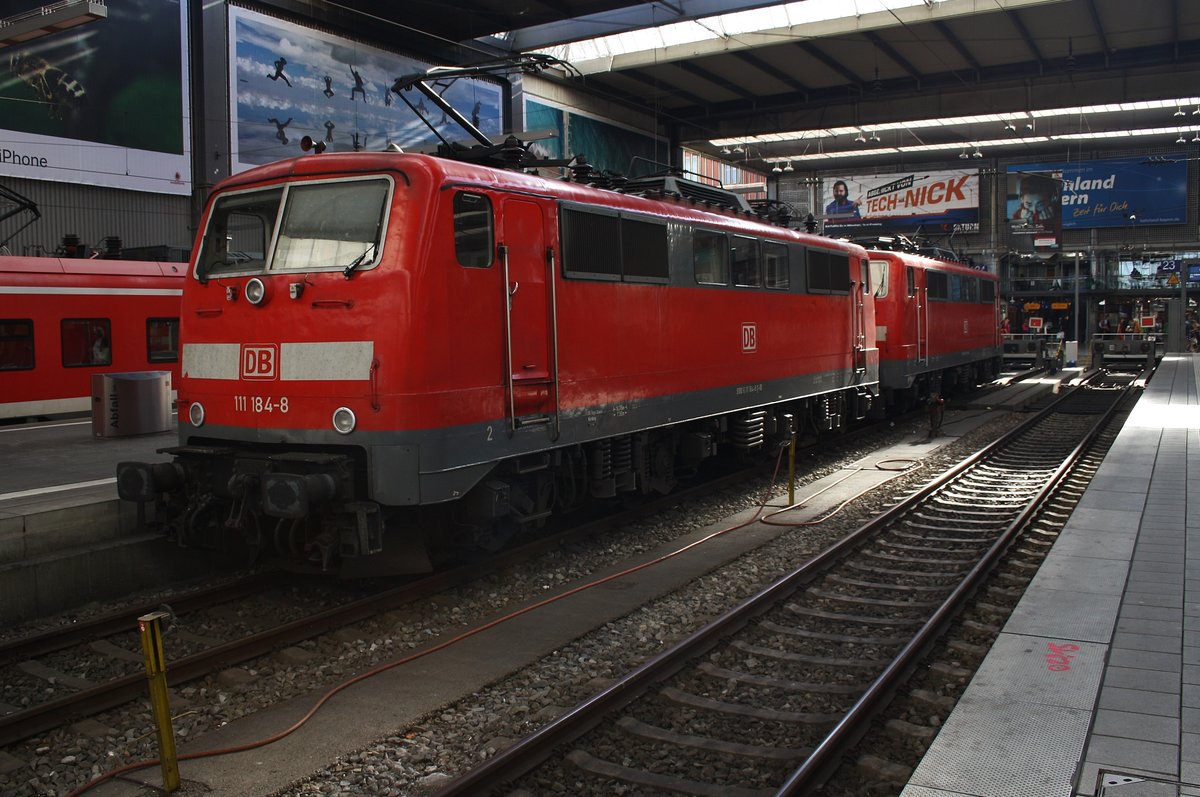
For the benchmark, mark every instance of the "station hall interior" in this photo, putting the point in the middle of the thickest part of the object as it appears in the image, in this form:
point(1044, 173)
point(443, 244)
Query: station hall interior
point(1053, 142)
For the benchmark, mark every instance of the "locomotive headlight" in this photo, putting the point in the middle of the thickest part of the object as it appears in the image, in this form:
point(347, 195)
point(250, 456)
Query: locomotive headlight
point(344, 420)
point(196, 413)
point(256, 291)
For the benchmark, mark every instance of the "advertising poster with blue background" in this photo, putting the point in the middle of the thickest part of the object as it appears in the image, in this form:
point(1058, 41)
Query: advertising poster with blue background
point(1115, 192)
point(287, 82)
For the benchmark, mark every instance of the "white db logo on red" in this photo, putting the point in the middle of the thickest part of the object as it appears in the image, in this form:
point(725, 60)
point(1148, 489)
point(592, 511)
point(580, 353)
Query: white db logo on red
point(258, 362)
point(749, 337)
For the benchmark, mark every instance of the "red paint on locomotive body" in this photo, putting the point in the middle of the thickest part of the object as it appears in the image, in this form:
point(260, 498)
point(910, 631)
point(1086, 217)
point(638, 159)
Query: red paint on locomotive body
point(63, 320)
point(934, 317)
point(441, 329)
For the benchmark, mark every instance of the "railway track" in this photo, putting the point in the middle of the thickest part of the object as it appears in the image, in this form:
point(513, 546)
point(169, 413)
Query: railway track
point(768, 698)
point(91, 666)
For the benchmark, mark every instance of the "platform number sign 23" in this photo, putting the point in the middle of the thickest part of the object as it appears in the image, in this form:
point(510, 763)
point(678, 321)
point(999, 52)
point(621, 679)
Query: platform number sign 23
point(749, 337)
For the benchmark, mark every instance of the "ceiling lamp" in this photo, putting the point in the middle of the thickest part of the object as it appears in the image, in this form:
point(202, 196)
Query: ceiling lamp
point(860, 138)
point(739, 148)
point(1179, 111)
point(1197, 111)
point(1181, 139)
point(724, 150)
point(777, 170)
point(964, 154)
point(1196, 137)
point(874, 136)
point(788, 167)
point(977, 153)
point(1010, 126)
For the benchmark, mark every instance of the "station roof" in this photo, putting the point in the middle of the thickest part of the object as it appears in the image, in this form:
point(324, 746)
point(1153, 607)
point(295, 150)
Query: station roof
point(829, 83)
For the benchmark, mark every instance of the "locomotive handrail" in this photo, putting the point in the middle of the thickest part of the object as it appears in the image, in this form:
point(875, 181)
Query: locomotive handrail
point(550, 274)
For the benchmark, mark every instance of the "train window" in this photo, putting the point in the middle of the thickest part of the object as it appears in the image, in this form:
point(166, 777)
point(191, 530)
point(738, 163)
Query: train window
point(987, 293)
point(644, 250)
point(776, 274)
point(162, 340)
point(591, 244)
point(710, 257)
point(238, 233)
point(336, 224)
point(16, 344)
point(743, 260)
point(473, 230)
point(954, 288)
point(86, 341)
point(936, 285)
point(912, 281)
point(970, 289)
point(828, 272)
point(879, 277)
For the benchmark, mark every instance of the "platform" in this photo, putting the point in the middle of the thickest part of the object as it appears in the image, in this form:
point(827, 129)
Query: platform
point(1093, 687)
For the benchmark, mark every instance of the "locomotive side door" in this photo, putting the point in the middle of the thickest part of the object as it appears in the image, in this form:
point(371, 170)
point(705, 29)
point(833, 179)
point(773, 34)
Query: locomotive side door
point(919, 303)
point(531, 368)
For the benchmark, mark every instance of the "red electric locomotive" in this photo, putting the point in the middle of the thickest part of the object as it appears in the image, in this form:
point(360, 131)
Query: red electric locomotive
point(62, 320)
point(369, 335)
point(937, 326)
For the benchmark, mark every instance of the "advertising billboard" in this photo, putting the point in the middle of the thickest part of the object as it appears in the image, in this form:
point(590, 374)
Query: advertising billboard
point(945, 201)
point(288, 81)
point(1114, 192)
point(104, 104)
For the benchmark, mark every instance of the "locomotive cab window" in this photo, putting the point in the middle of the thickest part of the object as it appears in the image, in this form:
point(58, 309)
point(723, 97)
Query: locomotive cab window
point(239, 232)
point(591, 244)
point(16, 344)
point(937, 286)
point(878, 270)
point(86, 341)
point(162, 340)
point(473, 230)
point(987, 292)
point(336, 224)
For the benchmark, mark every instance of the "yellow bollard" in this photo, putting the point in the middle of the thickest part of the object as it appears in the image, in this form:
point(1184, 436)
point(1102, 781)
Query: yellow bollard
point(150, 629)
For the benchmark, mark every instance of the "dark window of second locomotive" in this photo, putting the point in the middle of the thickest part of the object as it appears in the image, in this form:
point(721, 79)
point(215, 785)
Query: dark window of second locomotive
point(473, 230)
point(987, 293)
point(936, 284)
point(16, 344)
point(644, 250)
point(591, 244)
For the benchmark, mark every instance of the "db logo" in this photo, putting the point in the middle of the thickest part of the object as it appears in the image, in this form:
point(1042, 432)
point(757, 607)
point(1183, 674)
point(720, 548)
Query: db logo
point(258, 362)
point(749, 337)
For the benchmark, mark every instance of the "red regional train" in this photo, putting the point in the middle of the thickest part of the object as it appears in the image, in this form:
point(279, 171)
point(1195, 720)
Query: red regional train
point(367, 336)
point(937, 326)
point(63, 320)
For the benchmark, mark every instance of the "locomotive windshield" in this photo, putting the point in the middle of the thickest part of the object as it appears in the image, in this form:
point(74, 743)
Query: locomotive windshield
point(299, 227)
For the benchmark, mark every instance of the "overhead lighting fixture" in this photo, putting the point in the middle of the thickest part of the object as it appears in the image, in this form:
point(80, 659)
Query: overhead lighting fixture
point(964, 154)
point(725, 150)
point(739, 148)
point(777, 170)
point(1182, 139)
point(1009, 125)
point(977, 153)
point(788, 167)
point(1197, 111)
point(1179, 111)
point(1196, 138)
point(860, 138)
point(874, 136)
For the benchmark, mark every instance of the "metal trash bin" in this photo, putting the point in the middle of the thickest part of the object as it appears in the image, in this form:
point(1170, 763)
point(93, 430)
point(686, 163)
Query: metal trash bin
point(138, 402)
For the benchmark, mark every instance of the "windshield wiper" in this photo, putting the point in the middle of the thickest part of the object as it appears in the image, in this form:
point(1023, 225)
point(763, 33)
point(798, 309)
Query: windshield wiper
point(358, 261)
